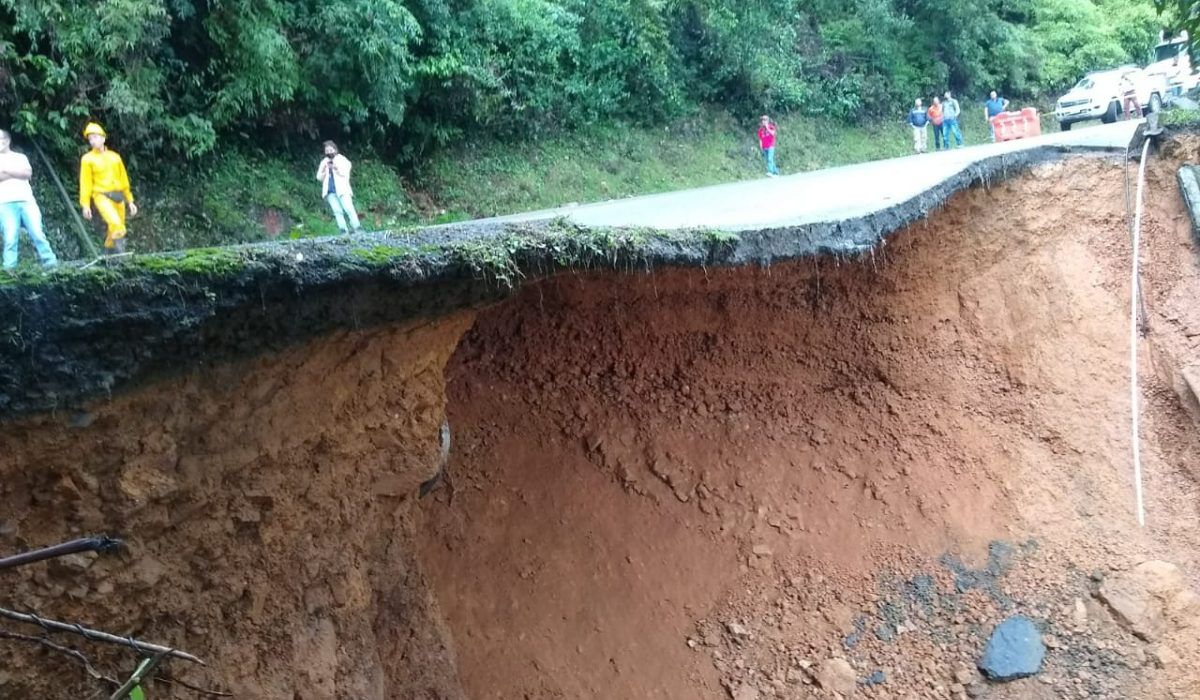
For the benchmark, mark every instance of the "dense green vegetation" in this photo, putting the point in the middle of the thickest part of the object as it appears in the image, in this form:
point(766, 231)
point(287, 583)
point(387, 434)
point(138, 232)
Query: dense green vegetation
point(485, 106)
point(185, 77)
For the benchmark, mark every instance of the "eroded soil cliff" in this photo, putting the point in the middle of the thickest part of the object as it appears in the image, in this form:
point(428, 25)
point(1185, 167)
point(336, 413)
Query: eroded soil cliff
point(683, 483)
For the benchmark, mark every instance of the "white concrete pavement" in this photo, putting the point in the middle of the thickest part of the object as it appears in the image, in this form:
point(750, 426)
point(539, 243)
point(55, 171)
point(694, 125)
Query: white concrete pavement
point(818, 196)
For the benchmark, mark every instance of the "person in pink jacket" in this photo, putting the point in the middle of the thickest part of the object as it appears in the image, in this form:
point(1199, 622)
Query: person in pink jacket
point(766, 143)
point(334, 175)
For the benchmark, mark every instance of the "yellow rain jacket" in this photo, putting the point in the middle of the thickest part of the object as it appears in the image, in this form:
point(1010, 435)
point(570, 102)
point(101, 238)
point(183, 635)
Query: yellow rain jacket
point(101, 172)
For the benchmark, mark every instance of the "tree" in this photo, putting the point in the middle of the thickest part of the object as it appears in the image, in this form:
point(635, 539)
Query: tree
point(1180, 16)
point(176, 78)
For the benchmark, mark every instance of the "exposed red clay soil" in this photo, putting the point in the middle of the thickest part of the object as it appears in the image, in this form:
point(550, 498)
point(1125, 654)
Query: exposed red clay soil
point(265, 509)
point(639, 466)
point(750, 483)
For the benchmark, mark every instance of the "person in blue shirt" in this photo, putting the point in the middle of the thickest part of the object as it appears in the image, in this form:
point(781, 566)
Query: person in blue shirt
point(994, 106)
point(917, 119)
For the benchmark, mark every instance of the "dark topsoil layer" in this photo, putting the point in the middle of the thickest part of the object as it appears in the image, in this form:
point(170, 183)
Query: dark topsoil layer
point(88, 330)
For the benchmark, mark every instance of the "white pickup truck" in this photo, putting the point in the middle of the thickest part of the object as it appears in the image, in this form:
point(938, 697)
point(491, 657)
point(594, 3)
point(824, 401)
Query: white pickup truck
point(1098, 95)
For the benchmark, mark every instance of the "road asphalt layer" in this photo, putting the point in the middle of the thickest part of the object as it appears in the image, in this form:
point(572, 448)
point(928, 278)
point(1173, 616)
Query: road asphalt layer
point(819, 196)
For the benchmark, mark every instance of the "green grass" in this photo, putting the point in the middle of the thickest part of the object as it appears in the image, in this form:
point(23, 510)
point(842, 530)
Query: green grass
point(1180, 117)
point(212, 261)
point(496, 178)
point(503, 259)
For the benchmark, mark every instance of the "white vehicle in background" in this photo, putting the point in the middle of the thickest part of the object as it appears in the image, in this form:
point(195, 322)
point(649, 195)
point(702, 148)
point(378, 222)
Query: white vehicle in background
point(1098, 96)
point(1172, 60)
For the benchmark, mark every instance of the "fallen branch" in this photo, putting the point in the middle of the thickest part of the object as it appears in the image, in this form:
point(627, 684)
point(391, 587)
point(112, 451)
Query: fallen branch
point(98, 636)
point(86, 245)
point(105, 258)
point(101, 543)
point(74, 654)
point(144, 669)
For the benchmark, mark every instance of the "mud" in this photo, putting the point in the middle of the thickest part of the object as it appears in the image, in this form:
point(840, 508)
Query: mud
point(692, 483)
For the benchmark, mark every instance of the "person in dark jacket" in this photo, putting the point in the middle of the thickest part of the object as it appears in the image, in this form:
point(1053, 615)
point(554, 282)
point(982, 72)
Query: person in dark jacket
point(917, 119)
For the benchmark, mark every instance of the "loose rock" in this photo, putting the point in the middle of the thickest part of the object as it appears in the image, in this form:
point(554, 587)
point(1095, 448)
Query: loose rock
point(1138, 597)
point(1014, 651)
point(70, 564)
point(1163, 656)
point(836, 675)
point(1079, 614)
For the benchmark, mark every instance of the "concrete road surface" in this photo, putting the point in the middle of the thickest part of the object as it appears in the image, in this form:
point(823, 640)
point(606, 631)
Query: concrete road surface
point(818, 196)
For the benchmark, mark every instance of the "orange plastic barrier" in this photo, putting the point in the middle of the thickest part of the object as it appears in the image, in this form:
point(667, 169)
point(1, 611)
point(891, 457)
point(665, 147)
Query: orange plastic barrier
point(1033, 122)
point(1008, 126)
point(1017, 125)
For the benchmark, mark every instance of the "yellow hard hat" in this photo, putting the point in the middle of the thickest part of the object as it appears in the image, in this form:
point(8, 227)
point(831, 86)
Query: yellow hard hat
point(93, 128)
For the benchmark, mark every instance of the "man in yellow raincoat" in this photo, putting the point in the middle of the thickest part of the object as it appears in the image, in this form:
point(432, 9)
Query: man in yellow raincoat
point(104, 183)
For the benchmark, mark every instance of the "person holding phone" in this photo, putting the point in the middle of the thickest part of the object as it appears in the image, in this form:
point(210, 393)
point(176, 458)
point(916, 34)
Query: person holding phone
point(334, 175)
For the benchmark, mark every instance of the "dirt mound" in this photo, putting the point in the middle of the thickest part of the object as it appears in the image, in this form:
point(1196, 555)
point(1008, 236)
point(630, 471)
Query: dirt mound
point(786, 482)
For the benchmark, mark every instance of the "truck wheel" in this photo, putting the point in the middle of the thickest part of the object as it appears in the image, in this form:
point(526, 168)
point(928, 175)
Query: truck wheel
point(1110, 116)
point(1064, 126)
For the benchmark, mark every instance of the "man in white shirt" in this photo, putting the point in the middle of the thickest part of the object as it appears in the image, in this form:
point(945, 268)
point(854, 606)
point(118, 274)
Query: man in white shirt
point(18, 207)
point(334, 176)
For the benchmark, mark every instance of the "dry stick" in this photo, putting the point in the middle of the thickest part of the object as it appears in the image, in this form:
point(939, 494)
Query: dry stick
point(98, 636)
point(86, 244)
point(76, 655)
point(171, 680)
point(142, 671)
point(105, 259)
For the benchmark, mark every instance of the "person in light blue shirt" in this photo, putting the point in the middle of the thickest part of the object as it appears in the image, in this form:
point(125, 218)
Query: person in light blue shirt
point(950, 113)
point(994, 106)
